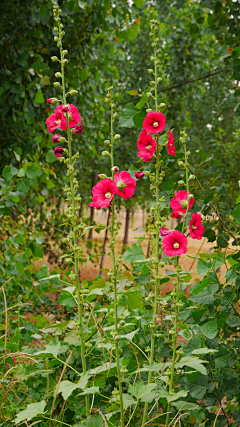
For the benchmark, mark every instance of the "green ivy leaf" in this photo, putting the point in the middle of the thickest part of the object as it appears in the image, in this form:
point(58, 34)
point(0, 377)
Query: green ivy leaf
point(30, 412)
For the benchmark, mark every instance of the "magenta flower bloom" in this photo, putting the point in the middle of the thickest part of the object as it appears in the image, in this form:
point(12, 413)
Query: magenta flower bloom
point(146, 146)
point(65, 108)
point(58, 151)
point(125, 184)
point(164, 231)
point(103, 193)
point(174, 244)
point(56, 120)
point(139, 175)
point(55, 138)
point(176, 214)
point(195, 226)
point(171, 146)
point(154, 122)
point(179, 201)
point(78, 129)
point(72, 113)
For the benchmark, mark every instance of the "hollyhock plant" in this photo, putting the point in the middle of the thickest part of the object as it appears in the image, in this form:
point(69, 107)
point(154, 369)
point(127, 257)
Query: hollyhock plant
point(164, 231)
point(139, 175)
point(195, 226)
point(171, 146)
point(103, 193)
point(176, 214)
point(58, 151)
point(49, 100)
point(146, 146)
point(72, 112)
point(125, 184)
point(154, 122)
point(174, 244)
point(179, 202)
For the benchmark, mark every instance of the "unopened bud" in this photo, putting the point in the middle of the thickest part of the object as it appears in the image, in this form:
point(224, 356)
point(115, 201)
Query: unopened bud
point(116, 137)
point(106, 142)
point(191, 177)
point(65, 52)
point(149, 95)
point(115, 169)
point(73, 92)
point(149, 110)
point(159, 79)
point(56, 38)
point(56, 84)
point(102, 176)
point(181, 182)
point(106, 154)
point(65, 62)
point(162, 105)
point(58, 75)
point(180, 163)
point(150, 71)
point(54, 58)
point(191, 196)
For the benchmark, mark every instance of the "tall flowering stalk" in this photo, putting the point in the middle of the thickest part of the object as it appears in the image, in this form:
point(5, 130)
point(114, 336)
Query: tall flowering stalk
point(67, 118)
point(155, 123)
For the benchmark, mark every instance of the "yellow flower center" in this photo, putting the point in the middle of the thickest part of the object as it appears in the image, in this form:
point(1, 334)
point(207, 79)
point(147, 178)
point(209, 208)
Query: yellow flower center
point(108, 195)
point(176, 245)
point(148, 147)
point(155, 124)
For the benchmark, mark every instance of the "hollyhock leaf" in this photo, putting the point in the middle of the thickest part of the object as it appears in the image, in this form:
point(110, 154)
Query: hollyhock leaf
point(138, 118)
point(8, 172)
point(32, 171)
point(205, 282)
point(222, 357)
point(90, 390)
point(32, 410)
point(139, 3)
point(128, 400)
point(23, 186)
point(66, 388)
point(132, 32)
point(133, 92)
point(50, 348)
point(45, 81)
point(210, 329)
point(133, 253)
point(236, 70)
point(236, 214)
point(181, 405)
point(84, 74)
point(141, 103)
point(231, 275)
point(194, 363)
point(21, 173)
point(126, 119)
point(39, 97)
point(135, 301)
point(203, 267)
point(139, 389)
point(50, 158)
point(235, 53)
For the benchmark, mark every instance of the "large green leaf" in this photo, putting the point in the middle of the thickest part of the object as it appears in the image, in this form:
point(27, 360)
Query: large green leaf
point(126, 119)
point(194, 363)
point(133, 253)
point(31, 411)
point(203, 267)
point(210, 329)
point(39, 97)
point(222, 357)
point(139, 389)
point(51, 348)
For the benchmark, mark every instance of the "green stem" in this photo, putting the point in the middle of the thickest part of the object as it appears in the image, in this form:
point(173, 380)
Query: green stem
point(74, 226)
point(115, 282)
point(187, 184)
point(174, 343)
point(145, 413)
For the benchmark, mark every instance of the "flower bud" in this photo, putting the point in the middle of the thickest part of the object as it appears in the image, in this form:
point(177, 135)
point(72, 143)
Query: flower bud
point(106, 154)
point(149, 110)
point(106, 142)
point(191, 196)
point(180, 163)
point(159, 79)
point(54, 58)
point(115, 169)
point(55, 29)
point(181, 182)
point(58, 75)
point(62, 33)
point(116, 137)
point(149, 95)
point(73, 92)
point(162, 105)
point(65, 52)
point(139, 175)
point(191, 177)
point(188, 153)
point(150, 71)
point(52, 100)
point(58, 151)
point(102, 176)
point(65, 62)
point(56, 84)
point(58, 44)
point(61, 26)
point(152, 58)
point(56, 38)
point(115, 115)
point(56, 138)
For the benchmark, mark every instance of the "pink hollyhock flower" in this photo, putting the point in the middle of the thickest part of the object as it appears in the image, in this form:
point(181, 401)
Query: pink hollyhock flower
point(72, 113)
point(139, 175)
point(58, 151)
point(146, 146)
point(171, 146)
point(78, 129)
point(154, 122)
point(179, 202)
point(125, 184)
point(195, 226)
point(56, 120)
point(65, 108)
point(49, 100)
point(164, 231)
point(55, 138)
point(174, 244)
point(103, 193)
